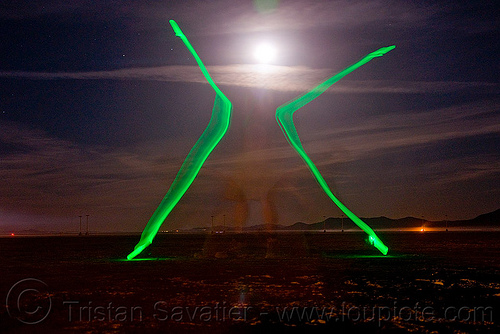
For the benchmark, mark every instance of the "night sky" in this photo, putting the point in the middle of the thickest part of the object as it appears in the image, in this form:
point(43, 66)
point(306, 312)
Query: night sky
point(100, 104)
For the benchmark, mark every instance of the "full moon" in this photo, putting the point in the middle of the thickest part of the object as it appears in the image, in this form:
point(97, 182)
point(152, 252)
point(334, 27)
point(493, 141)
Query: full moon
point(265, 53)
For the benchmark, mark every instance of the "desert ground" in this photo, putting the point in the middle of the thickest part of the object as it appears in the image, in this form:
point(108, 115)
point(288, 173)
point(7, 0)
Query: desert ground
point(444, 282)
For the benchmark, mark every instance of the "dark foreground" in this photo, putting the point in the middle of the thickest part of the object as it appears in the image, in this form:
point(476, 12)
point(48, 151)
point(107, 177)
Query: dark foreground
point(246, 283)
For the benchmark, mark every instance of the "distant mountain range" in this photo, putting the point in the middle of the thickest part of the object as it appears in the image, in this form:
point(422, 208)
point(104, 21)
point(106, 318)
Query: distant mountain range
point(491, 219)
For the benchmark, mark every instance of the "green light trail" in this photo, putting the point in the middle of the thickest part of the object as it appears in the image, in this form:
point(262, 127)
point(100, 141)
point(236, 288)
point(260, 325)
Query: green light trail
point(264, 6)
point(217, 127)
point(146, 259)
point(284, 117)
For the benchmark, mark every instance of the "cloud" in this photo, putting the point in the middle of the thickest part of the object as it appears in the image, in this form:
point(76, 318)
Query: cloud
point(241, 17)
point(376, 136)
point(43, 175)
point(465, 169)
point(392, 131)
point(277, 78)
point(50, 176)
point(222, 17)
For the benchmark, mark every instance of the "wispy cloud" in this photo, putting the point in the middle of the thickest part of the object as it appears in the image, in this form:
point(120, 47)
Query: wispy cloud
point(277, 78)
point(465, 169)
point(46, 175)
point(50, 176)
point(394, 131)
point(377, 136)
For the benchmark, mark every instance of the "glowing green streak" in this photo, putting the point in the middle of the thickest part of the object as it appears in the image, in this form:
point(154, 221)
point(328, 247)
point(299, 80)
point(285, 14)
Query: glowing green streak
point(284, 117)
point(265, 5)
point(147, 259)
point(217, 127)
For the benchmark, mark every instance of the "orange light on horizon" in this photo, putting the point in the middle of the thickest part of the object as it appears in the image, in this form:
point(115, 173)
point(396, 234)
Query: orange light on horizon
point(422, 230)
point(12, 234)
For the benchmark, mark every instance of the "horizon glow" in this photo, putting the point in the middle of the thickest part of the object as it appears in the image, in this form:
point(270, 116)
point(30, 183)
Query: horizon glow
point(284, 117)
point(211, 136)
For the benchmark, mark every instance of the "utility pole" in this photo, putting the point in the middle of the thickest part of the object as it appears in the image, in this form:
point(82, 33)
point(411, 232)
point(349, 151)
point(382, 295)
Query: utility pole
point(87, 233)
point(80, 225)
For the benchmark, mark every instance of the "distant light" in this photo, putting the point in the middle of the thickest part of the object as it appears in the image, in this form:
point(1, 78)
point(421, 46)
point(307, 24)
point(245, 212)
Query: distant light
point(265, 53)
point(422, 230)
point(12, 234)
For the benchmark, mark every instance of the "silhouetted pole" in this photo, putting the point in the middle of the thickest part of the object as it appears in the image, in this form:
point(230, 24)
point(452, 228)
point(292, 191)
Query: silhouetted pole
point(324, 224)
point(80, 225)
point(342, 222)
point(212, 224)
point(87, 233)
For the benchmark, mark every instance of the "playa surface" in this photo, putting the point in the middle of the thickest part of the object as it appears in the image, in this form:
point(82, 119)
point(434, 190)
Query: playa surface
point(252, 282)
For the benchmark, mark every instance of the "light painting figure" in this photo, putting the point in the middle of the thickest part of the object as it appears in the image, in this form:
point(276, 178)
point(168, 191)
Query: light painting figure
point(217, 127)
